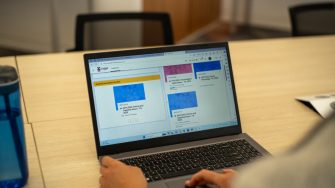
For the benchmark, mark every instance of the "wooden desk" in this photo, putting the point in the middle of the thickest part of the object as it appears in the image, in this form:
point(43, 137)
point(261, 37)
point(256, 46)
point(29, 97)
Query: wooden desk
point(54, 86)
point(11, 61)
point(67, 153)
point(35, 179)
point(269, 74)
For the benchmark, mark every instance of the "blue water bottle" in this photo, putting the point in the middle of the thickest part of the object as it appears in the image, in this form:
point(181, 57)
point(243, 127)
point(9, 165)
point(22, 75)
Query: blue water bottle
point(13, 156)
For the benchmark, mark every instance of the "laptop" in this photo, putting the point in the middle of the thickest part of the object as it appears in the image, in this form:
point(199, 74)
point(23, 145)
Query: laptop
point(171, 111)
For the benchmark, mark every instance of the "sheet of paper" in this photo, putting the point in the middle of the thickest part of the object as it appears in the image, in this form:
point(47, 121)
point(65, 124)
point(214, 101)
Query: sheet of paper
point(324, 104)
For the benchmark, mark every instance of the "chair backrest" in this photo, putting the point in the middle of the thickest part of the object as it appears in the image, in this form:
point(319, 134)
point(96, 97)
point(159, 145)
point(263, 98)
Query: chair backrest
point(313, 19)
point(122, 30)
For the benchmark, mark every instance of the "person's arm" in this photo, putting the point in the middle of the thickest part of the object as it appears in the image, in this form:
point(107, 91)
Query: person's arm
point(221, 180)
point(117, 174)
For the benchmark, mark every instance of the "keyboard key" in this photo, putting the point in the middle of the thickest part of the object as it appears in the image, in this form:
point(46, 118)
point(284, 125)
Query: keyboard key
point(161, 171)
point(180, 173)
point(156, 177)
point(188, 161)
point(149, 179)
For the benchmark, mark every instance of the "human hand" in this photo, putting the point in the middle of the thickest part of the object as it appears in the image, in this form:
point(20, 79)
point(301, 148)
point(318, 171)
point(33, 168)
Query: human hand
point(117, 174)
point(221, 180)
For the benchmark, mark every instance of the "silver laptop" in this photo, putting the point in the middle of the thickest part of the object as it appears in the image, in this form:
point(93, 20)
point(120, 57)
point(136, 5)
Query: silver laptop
point(170, 111)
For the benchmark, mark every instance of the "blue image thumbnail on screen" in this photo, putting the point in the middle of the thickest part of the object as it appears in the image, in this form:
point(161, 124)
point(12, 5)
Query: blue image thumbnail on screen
point(184, 100)
point(206, 66)
point(128, 93)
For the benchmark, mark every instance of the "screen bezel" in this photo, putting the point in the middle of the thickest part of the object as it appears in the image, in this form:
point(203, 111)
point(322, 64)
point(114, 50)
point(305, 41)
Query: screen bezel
point(166, 140)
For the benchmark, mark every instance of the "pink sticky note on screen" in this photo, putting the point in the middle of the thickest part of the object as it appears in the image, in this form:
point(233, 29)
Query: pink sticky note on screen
point(177, 69)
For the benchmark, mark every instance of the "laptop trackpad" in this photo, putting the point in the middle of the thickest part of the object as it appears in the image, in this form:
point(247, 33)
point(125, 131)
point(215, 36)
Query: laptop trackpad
point(180, 183)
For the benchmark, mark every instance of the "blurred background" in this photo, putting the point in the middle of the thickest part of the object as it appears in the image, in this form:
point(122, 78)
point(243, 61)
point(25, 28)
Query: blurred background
point(44, 26)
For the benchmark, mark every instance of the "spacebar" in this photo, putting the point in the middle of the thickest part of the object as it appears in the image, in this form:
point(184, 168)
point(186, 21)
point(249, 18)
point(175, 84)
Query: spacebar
point(181, 173)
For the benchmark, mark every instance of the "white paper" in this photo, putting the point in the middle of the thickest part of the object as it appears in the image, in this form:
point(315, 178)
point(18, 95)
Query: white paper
point(324, 104)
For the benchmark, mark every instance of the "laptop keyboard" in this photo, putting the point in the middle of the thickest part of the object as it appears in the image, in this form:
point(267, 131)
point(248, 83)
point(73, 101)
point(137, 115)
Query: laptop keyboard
point(188, 161)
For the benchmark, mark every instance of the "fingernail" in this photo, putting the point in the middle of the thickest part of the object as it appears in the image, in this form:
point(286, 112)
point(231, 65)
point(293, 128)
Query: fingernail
point(187, 182)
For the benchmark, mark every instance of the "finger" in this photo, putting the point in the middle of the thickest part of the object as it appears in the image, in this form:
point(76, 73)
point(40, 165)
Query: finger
point(103, 170)
point(109, 162)
point(106, 161)
point(204, 177)
point(101, 181)
point(228, 170)
point(139, 170)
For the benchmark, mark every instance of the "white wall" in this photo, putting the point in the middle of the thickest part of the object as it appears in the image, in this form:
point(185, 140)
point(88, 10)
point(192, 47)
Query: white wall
point(66, 12)
point(64, 19)
point(266, 13)
point(27, 24)
point(117, 5)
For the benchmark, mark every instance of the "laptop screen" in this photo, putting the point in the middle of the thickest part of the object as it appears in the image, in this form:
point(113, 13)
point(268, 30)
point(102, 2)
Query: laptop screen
point(140, 97)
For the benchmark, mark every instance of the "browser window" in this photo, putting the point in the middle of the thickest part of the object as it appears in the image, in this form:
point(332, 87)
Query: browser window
point(154, 95)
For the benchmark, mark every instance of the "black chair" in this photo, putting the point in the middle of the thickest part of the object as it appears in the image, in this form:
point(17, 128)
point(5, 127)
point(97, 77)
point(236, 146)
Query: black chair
point(313, 19)
point(122, 30)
